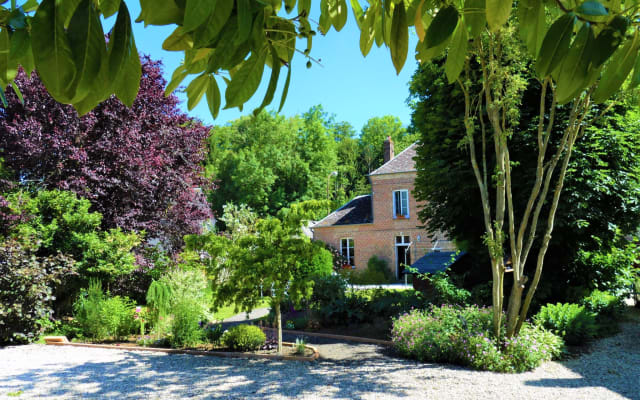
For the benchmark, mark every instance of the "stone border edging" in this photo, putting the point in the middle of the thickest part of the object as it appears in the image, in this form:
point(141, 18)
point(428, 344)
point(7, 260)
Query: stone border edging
point(62, 341)
point(338, 337)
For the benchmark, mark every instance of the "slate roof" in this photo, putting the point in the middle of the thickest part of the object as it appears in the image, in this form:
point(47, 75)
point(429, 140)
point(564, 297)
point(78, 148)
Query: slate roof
point(357, 211)
point(403, 162)
point(436, 261)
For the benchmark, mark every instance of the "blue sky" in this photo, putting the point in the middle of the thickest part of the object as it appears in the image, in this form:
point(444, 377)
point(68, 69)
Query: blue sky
point(348, 85)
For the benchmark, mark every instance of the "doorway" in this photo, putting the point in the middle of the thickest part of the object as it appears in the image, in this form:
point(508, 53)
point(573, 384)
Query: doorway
point(403, 254)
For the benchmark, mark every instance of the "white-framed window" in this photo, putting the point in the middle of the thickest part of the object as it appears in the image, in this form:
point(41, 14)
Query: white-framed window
point(400, 203)
point(347, 250)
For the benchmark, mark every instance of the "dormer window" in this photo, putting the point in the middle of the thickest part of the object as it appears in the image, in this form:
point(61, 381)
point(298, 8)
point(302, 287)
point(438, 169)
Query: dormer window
point(400, 204)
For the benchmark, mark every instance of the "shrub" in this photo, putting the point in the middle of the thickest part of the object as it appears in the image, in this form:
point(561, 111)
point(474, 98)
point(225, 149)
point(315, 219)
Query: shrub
point(445, 292)
point(387, 303)
point(604, 304)
point(608, 309)
point(462, 336)
point(377, 272)
point(213, 333)
point(572, 322)
point(26, 283)
point(244, 338)
point(101, 316)
point(188, 305)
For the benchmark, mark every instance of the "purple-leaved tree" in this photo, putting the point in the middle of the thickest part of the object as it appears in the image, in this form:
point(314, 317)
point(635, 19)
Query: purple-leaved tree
point(140, 166)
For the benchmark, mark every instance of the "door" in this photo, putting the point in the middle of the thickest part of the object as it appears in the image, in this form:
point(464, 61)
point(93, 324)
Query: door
point(403, 254)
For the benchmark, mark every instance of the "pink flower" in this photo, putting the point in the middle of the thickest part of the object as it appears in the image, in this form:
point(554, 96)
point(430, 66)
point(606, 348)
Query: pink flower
point(138, 309)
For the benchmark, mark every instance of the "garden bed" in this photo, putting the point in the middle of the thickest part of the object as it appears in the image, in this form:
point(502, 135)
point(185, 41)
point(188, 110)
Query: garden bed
point(311, 353)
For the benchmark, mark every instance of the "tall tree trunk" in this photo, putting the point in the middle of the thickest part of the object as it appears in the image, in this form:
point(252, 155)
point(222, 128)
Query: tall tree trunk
point(279, 324)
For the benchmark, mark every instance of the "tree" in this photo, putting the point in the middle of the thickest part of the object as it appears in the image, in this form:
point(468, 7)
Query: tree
point(602, 181)
point(277, 258)
point(63, 41)
point(138, 165)
point(255, 161)
point(374, 133)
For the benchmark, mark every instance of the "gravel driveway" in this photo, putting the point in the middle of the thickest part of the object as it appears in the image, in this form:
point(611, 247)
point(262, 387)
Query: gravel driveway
point(611, 370)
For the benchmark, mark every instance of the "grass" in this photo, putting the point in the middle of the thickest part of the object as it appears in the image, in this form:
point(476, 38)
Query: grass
point(229, 310)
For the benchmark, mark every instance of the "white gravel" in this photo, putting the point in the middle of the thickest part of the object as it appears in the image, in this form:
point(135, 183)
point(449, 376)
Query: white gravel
point(611, 370)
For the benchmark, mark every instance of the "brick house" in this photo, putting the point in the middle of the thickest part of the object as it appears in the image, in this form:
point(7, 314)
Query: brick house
point(384, 223)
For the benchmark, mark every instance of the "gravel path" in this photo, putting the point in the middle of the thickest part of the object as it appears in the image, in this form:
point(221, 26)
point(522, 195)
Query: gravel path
point(611, 370)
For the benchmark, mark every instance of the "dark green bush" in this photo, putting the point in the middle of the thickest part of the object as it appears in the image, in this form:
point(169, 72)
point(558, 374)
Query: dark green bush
point(213, 333)
point(604, 304)
point(26, 283)
point(445, 291)
point(101, 316)
point(572, 322)
point(244, 338)
point(462, 336)
point(387, 303)
point(608, 308)
point(377, 272)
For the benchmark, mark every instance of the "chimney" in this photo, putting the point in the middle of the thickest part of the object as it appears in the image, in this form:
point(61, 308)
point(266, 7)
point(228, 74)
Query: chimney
point(387, 149)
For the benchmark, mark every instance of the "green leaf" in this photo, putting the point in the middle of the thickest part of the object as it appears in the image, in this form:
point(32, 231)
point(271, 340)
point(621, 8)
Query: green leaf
point(442, 26)
point(3, 98)
point(65, 10)
point(17, 91)
point(20, 44)
point(341, 14)
point(196, 89)
point(161, 12)
point(124, 62)
point(129, 82)
point(399, 37)
point(592, 8)
point(52, 53)
point(273, 81)
point(8, 69)
point(498, 12)
point(88, 46)
point(427, 53)
point(357, 12)
point(618, 69)
point(531, 13)
point(555, 45)
point(176, 79)
point(366, 34)
point(574, 71)
point(196, 13)
point(179, 40)
point(457, 53)
point(325, 19)
point(206, 33)
point(109, 7)
point(475, 16)
point(244, 20)
point(304, 7)
point(213, 97)
point(635, 78)
point(30, 5)
point(285, 90)
point(246, 81)
point(609, 39)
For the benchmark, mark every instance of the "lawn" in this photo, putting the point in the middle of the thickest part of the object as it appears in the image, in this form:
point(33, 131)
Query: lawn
point(229, 310)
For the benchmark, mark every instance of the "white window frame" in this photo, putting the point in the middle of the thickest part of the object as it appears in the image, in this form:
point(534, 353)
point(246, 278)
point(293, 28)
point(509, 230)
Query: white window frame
point(351, 251)
point(406, 192)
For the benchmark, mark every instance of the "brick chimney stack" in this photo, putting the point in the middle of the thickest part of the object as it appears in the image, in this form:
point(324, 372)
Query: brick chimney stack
point(387, 149)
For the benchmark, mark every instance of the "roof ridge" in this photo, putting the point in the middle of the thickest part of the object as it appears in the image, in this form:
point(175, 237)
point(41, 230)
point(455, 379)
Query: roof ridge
point(395, 157)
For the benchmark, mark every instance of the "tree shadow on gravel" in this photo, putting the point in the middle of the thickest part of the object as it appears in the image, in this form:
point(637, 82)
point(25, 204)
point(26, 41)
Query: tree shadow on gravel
point(612, 363)
point(142, 375)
